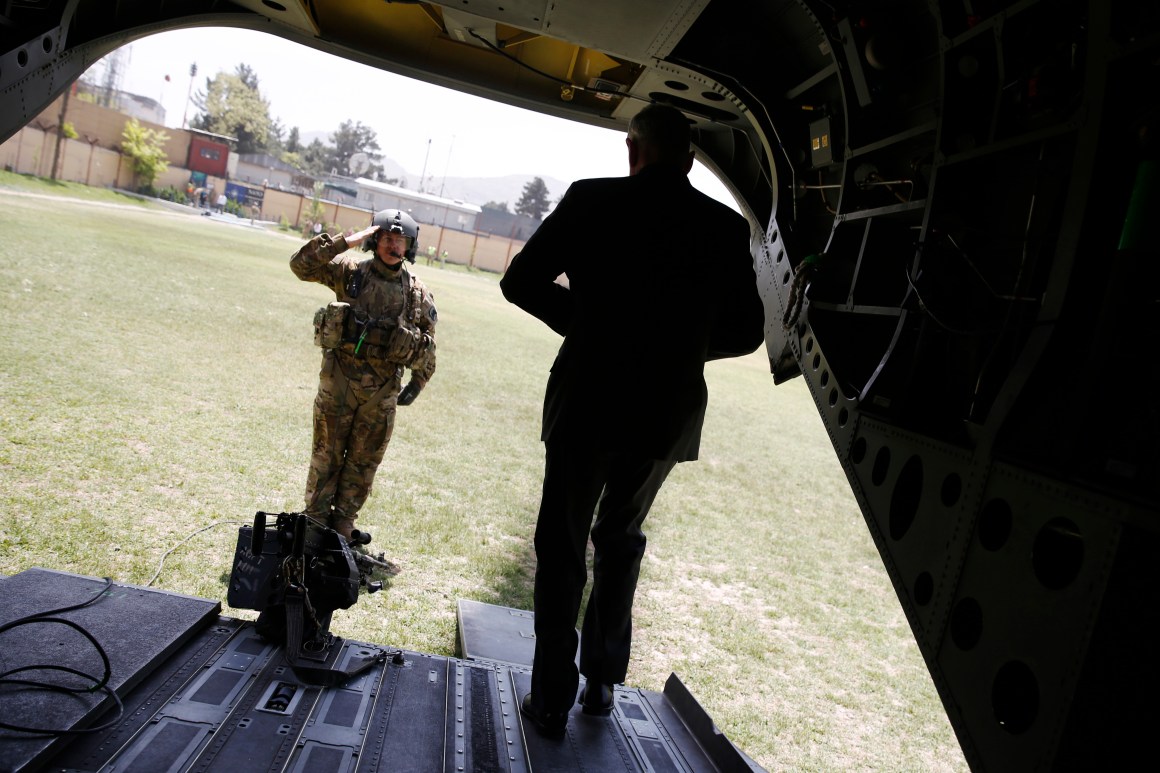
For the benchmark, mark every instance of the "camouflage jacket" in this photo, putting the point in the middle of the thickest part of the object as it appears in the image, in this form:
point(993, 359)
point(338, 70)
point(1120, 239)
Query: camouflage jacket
point(391, 321)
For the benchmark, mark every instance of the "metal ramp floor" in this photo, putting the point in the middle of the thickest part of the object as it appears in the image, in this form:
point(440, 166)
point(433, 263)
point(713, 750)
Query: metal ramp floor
point(203, 692)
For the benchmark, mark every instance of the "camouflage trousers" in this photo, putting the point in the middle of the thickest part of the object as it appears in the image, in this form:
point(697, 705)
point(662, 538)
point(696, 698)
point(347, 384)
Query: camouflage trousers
point(353, 422)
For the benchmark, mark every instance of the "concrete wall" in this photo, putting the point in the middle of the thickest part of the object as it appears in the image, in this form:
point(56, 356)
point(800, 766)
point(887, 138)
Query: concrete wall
point(471, 248)
point(104, 127)
point(31, 151)
point(95, 160)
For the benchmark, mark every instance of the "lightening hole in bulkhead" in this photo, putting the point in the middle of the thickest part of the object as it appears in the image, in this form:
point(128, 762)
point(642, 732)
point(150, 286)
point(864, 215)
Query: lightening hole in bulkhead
point(1015, 697)
point(966, 624)
point(906, 498)
point(1057, 553)
point(923, 589)
point(881, 466)
point(952, 489)
point(995, 524)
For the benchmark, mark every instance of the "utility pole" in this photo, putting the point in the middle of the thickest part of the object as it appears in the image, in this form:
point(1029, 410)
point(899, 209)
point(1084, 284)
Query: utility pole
point(60, 131)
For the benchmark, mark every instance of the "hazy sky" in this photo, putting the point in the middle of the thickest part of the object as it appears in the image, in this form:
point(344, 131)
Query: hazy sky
point(469, 136)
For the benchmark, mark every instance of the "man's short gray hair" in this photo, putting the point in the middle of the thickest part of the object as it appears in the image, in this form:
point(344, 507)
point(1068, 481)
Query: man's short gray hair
point(664, 130)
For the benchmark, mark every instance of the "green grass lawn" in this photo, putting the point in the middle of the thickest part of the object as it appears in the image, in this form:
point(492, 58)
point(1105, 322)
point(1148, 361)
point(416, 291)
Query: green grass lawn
point(156, 375)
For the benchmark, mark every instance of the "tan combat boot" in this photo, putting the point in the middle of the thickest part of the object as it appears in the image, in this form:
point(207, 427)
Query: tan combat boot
point(342, 523)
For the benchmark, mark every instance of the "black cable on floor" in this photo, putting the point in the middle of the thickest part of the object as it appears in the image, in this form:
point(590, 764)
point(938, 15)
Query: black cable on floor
point(98, 684)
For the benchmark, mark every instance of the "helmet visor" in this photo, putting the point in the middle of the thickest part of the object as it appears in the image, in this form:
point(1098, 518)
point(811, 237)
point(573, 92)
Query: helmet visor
point(395, 240)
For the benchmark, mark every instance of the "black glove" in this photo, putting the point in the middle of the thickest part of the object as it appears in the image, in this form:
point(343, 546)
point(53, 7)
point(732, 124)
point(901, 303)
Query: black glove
point(408, 393)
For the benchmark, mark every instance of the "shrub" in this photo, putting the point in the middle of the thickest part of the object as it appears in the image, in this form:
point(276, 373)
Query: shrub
point(173, 194)
point(145, 149)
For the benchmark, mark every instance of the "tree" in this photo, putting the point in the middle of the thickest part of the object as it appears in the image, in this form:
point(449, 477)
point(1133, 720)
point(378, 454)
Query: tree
point(534, 199)
point(275, 145)
point(145, 147)
point(232, 105)
point(499, 206)
point(351, 138)
point(247, 76)
point(315, 158)
point(315, 213)
point(291, 152)
point(292, 159)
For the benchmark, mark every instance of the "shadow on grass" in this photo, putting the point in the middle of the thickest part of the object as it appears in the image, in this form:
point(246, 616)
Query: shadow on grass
point(515, 583)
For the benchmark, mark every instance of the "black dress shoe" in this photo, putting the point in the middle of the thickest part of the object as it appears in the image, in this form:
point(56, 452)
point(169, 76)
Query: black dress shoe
point(548, 723)
point(596, 703)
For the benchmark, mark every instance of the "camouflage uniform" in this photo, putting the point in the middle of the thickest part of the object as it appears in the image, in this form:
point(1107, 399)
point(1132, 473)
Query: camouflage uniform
point(389, 326)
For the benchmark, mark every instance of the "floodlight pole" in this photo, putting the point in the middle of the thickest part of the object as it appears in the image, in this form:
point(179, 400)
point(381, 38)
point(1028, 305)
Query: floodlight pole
point(423, 176)
point(189, 95)
point(445, 166)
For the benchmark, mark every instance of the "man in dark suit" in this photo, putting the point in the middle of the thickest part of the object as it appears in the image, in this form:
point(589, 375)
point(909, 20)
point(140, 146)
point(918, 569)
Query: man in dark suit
point(659, 280)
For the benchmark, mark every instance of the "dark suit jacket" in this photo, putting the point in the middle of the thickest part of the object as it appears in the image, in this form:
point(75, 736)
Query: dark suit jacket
point(660, 280)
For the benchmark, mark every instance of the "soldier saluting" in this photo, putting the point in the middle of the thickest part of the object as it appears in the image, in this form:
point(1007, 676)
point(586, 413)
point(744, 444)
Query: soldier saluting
point(381, 324)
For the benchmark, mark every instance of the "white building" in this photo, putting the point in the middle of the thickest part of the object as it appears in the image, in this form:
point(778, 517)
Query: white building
point(262, 168)
point(425, 208)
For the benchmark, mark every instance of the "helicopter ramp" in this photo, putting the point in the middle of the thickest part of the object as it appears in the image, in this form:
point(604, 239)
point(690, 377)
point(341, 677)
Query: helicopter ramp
point(198, 691)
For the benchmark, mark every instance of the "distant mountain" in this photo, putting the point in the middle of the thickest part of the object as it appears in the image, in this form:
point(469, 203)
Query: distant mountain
point(472, 190)
point(477, 190)
point(509, 189)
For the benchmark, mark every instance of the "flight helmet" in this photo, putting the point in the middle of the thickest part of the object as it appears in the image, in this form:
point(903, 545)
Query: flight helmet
point(394, 221)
